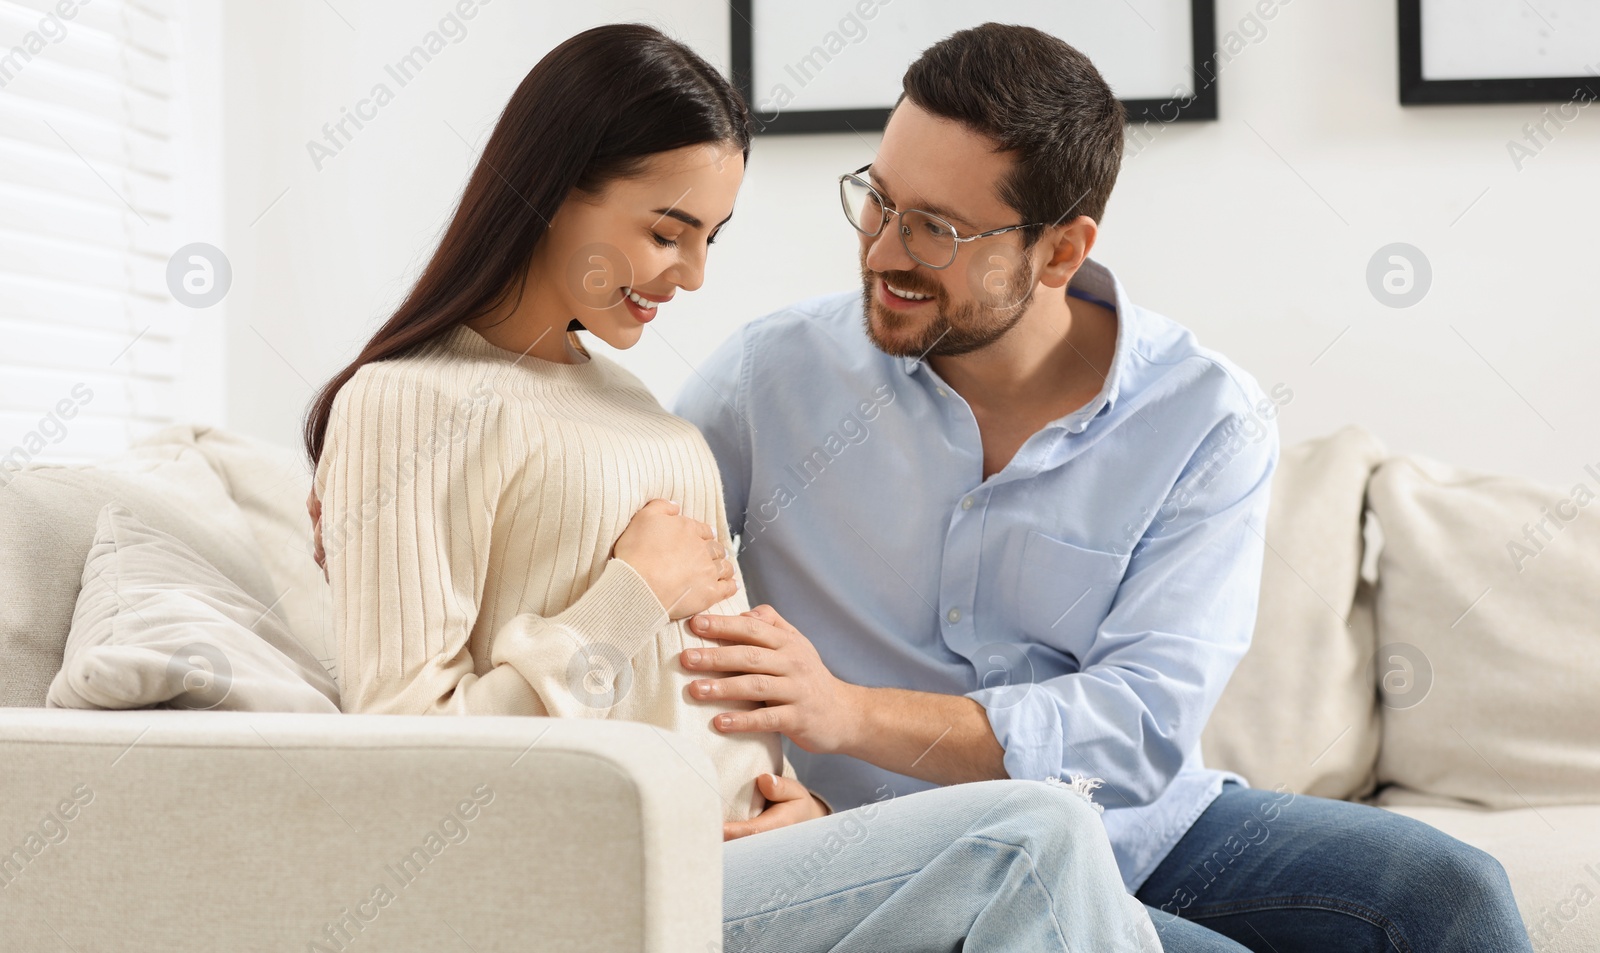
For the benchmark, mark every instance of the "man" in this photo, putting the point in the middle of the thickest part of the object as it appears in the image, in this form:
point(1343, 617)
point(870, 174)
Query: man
point(1012, 523)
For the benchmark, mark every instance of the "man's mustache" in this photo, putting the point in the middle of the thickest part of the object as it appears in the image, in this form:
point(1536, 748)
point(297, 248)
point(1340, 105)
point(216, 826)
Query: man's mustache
point(904, 281)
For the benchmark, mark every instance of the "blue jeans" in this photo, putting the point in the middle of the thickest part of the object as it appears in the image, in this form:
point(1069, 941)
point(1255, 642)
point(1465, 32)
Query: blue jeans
point(1268, 871)
point(984, 866)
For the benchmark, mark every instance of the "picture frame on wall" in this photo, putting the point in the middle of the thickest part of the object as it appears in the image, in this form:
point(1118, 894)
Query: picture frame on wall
point(836, 65)
point(1498, 51)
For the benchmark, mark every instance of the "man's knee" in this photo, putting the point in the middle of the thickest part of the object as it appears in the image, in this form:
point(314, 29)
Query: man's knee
point(1457, 869)
point(1073, 811)
point(1048, 820)
point(1425, 864)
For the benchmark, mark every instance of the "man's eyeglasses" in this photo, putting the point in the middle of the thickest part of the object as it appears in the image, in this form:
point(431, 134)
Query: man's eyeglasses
point(929, 239)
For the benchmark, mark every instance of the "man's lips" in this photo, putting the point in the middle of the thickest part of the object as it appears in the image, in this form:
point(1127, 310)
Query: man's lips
point(891, 300)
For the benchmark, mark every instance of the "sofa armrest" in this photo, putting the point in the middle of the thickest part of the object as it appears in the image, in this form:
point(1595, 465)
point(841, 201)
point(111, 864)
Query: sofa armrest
point(183, 830)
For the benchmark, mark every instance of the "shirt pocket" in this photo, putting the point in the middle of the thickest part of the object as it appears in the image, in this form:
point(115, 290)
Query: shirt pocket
point(1064, 591)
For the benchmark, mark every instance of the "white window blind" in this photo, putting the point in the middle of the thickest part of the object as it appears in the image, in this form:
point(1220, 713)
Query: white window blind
point(89, 335)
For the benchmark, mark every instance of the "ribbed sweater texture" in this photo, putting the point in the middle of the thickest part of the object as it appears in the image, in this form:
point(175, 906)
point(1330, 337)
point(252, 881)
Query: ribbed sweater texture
point(471, 497)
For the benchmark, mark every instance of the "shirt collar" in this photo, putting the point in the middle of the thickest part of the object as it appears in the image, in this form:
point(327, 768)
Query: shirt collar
point(1097, 283)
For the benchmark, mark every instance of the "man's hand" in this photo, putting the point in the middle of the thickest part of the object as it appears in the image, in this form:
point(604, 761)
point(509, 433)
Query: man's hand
point(788, 802)
point(314, 507)
point(946, 739)
point(804, 700)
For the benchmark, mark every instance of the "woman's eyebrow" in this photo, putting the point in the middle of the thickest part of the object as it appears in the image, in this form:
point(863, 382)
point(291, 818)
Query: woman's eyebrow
point(686, 218)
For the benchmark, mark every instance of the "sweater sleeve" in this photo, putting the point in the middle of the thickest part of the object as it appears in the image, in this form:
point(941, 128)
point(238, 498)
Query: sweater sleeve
point(410, 480)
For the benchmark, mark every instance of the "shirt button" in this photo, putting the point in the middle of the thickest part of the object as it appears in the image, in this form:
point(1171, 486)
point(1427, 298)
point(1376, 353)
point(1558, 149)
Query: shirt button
point(954, 615)
point(943, 392)
point(966, 504)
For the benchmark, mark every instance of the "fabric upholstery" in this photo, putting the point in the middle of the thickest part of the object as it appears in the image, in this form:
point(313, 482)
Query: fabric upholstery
point(198, 831)
point(47, 525)
point(157, 625)
point(1491, 633)
point(269, 484)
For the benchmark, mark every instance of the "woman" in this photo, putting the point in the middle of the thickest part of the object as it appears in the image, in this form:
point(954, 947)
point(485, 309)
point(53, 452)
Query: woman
point(516, 526)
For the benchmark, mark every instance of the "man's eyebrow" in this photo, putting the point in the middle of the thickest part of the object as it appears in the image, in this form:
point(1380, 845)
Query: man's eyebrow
point(926, 207)
point(686, 218)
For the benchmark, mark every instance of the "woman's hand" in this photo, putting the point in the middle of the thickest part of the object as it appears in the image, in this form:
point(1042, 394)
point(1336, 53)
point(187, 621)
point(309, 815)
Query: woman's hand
point(314, 507)
point(788, 802)
point(686, 566)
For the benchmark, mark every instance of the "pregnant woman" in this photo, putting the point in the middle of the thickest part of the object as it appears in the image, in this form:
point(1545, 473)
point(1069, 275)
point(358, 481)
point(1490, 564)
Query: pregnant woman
point(512, 525)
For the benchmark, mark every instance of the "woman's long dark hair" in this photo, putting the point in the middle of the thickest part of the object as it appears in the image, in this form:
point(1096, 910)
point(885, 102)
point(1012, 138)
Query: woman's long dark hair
point(591, 111)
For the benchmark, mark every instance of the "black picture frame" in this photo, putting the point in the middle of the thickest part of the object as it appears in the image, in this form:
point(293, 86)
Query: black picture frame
point(1416, 91)
point(1201, 106)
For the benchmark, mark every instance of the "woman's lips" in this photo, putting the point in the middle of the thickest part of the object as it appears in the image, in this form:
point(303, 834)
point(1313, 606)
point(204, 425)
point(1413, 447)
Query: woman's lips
point(642, 315)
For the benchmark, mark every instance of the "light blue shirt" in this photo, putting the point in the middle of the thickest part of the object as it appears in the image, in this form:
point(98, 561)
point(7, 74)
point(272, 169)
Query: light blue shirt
point(1094, 596)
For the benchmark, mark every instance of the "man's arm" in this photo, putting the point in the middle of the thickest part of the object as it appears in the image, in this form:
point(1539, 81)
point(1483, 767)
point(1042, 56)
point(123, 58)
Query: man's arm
point(1182, 619)
point(945, 739)
point(941, 738)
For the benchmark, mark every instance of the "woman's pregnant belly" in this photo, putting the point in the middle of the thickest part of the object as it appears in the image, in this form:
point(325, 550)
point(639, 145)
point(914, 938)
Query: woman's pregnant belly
point(659, 694)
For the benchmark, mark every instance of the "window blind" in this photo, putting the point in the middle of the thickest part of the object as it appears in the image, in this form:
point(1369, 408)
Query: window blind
point(89, 334)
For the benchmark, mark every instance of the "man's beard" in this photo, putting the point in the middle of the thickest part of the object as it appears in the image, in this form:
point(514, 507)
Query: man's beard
point(953, 329)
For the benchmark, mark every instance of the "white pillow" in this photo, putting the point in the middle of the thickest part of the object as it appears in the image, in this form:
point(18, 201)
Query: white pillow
point(269, 483)
point(156, 625)
point(48, 514)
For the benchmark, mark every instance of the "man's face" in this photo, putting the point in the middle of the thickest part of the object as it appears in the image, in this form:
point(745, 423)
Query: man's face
point(939, 166)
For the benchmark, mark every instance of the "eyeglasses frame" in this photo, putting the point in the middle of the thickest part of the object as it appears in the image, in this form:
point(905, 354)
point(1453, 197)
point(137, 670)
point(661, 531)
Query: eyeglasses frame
point(903, 229)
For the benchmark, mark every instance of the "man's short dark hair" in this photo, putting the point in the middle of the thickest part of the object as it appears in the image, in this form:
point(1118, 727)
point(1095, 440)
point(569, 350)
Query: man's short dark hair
point(1034, 95)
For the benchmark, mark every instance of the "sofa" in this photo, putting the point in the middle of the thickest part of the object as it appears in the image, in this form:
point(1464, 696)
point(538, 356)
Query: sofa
point(1408, 654)
point(1428, 641)
point(194, 830)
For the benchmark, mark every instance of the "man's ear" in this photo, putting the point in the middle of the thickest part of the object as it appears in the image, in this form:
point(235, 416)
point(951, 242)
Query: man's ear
point(1066, 246)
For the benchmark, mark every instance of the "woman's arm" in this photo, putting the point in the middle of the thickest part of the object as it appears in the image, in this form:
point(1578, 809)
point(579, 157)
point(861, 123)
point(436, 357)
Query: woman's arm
point(505, 695)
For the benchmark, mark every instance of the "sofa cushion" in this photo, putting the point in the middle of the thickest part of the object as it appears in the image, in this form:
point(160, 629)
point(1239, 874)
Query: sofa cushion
point(156, 626)
point(47, 525)
point(269, 483)
point(1552, 857)
point(1489, 622)
point(1300, 709)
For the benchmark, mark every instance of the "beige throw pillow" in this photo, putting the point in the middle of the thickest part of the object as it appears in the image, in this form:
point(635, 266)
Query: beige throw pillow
point(1300, 709)
point(156, 625)
point(269, 483)
point(1489, 618)
point(48, 515)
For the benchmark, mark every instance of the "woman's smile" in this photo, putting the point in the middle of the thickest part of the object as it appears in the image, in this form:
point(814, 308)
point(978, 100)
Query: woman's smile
point(640, 305)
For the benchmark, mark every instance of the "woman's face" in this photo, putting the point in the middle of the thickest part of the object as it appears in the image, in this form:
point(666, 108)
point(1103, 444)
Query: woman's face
point(614, 260)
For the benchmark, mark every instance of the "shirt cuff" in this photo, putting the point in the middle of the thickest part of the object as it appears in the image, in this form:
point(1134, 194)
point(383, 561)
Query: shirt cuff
point(1028, 726)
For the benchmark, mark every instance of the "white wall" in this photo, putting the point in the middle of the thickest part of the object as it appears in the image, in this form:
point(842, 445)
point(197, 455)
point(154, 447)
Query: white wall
point(1255, 231)
point(200, 214)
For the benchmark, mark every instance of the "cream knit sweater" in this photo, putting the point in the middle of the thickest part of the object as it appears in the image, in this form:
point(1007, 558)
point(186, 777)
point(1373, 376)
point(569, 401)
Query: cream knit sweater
point(470, 500)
